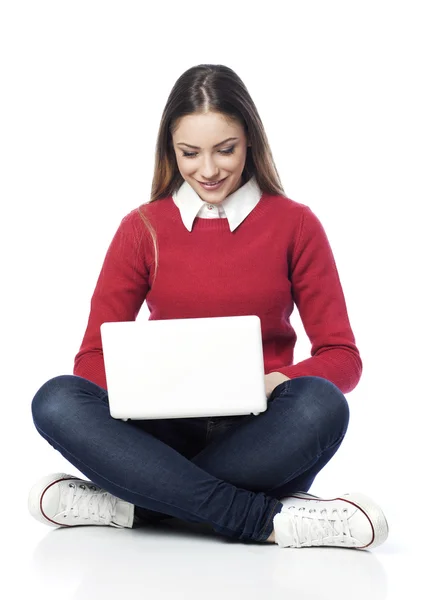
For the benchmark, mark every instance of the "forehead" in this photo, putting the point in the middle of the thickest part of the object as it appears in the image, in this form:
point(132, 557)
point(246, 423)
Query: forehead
point(205, 128)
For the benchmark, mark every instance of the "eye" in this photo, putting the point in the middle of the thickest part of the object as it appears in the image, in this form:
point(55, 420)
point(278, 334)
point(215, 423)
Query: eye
point(193, 154)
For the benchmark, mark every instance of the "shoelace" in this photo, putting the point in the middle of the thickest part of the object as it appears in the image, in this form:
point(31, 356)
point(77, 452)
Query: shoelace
point(97, 505)
point(321, 529)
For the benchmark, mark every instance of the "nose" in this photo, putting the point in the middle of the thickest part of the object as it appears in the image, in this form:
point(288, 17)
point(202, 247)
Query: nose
point(209, 168)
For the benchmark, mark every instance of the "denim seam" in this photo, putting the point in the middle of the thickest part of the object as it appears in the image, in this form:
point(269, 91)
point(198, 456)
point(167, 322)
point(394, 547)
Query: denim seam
point(284, 389)
point(100, 392)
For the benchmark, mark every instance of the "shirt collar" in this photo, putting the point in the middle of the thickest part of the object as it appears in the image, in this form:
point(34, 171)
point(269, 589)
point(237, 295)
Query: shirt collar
point(236, 206)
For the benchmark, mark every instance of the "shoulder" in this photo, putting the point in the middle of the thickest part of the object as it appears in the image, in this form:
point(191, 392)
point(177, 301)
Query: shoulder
point(289, 208)
point(153, 211)
point(298, 218)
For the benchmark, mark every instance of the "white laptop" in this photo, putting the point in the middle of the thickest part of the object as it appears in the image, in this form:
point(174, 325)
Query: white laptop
point(183, 368)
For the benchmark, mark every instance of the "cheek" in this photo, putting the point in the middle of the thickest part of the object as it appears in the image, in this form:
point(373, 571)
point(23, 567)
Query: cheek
point(183, 165)
point(238, 157)
point(237, 164)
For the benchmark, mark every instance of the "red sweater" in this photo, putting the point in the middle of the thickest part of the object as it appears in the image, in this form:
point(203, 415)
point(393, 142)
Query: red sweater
point(277, 257)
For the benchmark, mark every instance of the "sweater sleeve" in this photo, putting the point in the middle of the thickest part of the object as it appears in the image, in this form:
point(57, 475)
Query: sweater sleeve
point(317, 292)
point(119, 293)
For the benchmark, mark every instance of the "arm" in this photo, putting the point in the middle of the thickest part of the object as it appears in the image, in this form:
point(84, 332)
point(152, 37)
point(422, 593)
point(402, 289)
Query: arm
point(119, 293)
point(318, 294)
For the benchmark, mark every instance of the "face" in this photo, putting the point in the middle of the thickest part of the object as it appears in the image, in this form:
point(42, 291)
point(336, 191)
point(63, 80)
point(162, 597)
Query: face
point(203, 155)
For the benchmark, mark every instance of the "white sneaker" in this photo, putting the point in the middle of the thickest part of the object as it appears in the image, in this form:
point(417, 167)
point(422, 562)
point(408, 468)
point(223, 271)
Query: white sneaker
point(65, 500)
point(349, 521)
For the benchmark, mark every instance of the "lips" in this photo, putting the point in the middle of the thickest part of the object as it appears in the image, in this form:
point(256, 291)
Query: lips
point(211, 182)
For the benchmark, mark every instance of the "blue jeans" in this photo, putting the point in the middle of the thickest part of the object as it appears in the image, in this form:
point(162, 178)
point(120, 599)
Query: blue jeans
point(230, 472)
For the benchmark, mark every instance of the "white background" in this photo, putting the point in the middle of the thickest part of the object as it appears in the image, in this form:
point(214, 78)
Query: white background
point(341, 89)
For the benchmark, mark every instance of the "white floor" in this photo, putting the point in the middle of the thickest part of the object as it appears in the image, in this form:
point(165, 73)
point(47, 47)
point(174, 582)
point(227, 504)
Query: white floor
point(180, 560)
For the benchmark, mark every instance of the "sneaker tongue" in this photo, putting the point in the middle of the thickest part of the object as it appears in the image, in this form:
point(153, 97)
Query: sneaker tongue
point(63, 496)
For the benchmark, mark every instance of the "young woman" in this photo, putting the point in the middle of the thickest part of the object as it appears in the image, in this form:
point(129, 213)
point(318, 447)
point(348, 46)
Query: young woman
point(218, 237)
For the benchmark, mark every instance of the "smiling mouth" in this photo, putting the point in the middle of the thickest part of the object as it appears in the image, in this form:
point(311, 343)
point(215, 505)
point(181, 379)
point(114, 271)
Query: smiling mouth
point(211, 182)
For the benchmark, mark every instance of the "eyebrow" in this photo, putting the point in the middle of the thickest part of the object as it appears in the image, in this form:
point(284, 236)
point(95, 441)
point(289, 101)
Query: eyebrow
point(216, 145)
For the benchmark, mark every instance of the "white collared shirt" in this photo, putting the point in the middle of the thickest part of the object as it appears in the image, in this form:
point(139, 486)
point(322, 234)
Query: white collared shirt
point(235, 207)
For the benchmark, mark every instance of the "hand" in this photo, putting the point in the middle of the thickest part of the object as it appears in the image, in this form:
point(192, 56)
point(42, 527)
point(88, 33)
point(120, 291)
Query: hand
point(272, 380)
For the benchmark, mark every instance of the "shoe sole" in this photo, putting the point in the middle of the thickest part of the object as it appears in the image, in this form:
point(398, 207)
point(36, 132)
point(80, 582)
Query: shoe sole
point(36, 493)
point(369, 508)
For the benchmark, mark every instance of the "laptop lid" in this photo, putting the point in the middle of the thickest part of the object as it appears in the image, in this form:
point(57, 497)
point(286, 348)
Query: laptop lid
point(183, 368)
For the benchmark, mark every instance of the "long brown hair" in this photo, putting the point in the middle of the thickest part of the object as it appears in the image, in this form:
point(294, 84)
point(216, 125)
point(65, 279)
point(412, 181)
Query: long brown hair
point(201, 89)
